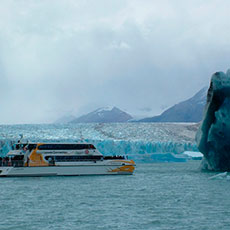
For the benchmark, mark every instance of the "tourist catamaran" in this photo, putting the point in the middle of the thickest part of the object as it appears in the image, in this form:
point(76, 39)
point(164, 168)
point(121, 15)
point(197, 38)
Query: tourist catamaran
point(62, 159)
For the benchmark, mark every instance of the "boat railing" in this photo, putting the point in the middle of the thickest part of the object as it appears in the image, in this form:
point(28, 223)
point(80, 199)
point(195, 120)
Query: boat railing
point(7, 163)
point(114, 157)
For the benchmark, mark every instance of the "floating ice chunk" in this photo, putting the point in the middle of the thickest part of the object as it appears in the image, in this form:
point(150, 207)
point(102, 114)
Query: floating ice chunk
point(220, 176)
point(193, 155)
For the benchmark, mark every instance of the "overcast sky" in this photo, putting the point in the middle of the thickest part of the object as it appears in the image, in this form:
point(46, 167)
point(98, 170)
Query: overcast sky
point(61, 57)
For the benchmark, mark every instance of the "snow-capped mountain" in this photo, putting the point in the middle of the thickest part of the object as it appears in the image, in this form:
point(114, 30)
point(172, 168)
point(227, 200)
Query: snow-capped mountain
point(104, 115)
point(190, 110)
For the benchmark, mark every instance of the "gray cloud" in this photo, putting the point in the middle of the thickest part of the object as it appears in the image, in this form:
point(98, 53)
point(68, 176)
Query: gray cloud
point(59, 57)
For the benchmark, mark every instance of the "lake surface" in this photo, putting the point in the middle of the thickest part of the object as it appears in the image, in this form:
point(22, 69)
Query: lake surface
point(157, 196)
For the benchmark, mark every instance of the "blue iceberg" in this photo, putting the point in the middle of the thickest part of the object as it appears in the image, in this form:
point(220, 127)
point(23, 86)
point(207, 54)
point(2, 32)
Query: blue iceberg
point(213, 136)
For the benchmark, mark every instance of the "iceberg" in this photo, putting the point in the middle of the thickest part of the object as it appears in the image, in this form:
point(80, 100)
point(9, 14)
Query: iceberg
point(213, 135)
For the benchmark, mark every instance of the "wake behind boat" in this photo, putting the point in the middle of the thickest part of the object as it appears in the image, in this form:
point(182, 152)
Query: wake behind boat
point(62, 159)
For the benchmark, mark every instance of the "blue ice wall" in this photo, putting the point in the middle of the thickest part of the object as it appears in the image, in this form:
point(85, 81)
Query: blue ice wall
point(140, 151)
point(5, 147)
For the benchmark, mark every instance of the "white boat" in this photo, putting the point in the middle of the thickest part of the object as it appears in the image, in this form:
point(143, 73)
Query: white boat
point(62, 159)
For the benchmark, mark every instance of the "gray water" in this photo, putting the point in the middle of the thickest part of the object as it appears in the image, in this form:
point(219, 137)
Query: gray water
point(157, 196)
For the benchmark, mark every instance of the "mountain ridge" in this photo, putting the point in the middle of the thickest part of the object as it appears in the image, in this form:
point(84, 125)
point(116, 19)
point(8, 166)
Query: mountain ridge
point(104, 115)
point(190, 110)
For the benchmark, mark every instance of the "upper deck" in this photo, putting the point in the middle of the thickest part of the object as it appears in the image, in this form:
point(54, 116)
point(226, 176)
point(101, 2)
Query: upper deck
point(50, 154)
point(54, 148)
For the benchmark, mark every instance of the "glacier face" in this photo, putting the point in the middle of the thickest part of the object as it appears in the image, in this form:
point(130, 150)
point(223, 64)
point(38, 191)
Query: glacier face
point(143, 142)
point(213, 137)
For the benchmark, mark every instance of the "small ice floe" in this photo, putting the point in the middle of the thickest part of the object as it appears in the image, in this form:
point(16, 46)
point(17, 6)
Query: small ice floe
point(220, 176)
point(193, 155)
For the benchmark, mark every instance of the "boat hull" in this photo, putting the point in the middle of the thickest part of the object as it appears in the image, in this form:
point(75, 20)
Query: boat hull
point(76, 170)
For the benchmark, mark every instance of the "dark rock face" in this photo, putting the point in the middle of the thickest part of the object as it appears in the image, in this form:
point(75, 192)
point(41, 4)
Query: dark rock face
point(213, 136)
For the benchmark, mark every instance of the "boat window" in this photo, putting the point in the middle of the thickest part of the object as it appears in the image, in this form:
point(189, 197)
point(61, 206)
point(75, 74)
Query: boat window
point(32, 146)
point(18, 146)
point(21, 146)
point(66, 146)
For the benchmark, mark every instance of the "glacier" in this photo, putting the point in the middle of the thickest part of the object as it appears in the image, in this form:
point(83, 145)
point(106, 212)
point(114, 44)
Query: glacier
point(213, 136)
point(158, 142)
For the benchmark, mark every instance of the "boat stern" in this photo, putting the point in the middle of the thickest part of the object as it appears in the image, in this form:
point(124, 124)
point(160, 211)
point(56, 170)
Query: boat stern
point(126, 167)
